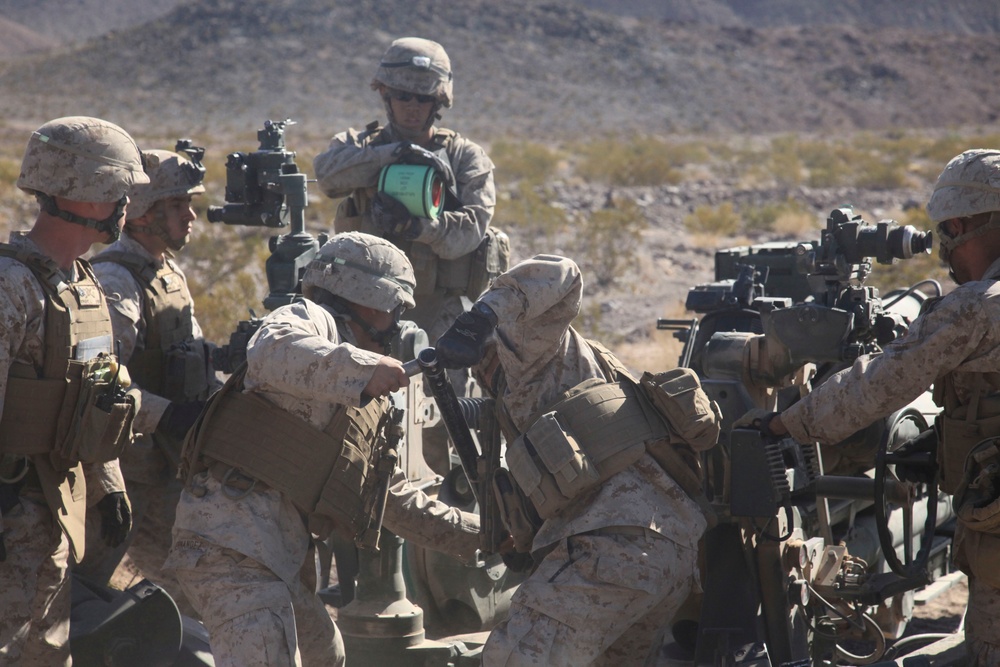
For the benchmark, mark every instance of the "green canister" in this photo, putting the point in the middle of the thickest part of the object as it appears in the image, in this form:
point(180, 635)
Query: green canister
point(418, 186)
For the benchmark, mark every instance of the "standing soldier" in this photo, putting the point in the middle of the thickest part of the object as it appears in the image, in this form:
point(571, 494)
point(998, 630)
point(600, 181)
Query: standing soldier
point(414, 81)
point(284, 450)
point(617, 542)
point(152, 315)
point(953, 345)
point(65, 415)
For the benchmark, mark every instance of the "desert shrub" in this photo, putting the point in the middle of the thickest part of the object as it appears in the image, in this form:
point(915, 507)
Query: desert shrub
point(785, 164)
point(719, 220)
point(765, 216)
point(608, 239)
point(638, 161)
point(528, 210)
point(524, 161)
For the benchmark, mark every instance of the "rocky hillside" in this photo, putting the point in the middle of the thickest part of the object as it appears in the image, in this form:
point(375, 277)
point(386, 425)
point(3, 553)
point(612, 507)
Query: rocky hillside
point(521, 68)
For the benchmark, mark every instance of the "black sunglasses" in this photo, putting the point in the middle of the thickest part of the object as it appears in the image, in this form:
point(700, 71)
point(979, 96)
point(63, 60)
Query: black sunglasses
point(404, 96)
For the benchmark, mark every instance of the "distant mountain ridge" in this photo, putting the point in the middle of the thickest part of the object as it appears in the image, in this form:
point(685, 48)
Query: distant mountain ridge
point(521, 67)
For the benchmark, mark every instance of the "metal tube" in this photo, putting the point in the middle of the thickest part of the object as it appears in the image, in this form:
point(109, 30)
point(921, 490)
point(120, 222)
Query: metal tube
point(451, 415)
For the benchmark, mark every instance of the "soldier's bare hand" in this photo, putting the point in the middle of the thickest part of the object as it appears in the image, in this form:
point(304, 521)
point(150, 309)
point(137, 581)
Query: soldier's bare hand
point(388, 377)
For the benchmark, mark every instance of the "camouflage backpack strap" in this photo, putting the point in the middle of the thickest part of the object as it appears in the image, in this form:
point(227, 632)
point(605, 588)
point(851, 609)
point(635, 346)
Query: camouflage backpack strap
point(142, 270)
point(611, 366)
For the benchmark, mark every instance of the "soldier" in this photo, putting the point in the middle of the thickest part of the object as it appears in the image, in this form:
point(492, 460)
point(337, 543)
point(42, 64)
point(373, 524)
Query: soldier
point(953, 345)
point(152, 315)
point(414, 81)
point(616, 550)
point(64, 416)
point(283, 451)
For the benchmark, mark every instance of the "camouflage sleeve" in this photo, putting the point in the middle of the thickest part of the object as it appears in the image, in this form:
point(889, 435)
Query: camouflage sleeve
point(22, 308)
point(102, 479)
point(125, 306)
point(457, 233)
point(298, 353)
point(957, 331)
point(413, 515)
point(347, 164)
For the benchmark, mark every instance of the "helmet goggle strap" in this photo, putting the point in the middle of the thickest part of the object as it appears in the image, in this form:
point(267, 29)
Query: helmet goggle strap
point(108, 225)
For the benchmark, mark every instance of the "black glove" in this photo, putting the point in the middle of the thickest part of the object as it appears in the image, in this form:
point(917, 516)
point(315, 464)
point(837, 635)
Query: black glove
point(916, 459)
point(464, 343)
point(116, 518)
point(407, 153)
point(393, 218)
point(178, 419)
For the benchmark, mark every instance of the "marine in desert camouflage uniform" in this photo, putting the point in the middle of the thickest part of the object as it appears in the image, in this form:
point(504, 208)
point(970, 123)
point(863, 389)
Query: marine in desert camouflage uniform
point(617, 562)
point(160, 340)
point(414, 81)
point(955, 345)
point(242, 551)
point(80, 170)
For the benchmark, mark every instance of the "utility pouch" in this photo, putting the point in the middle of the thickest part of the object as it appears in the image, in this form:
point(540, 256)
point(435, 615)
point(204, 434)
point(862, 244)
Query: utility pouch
point(102, 413)
point(518, 516)
point(489, 260)
point(977, 503)
point(453, 274)
point(960, 434)
point(347, 218)
point(185, 375)
point(694, 419)
point(425, 268)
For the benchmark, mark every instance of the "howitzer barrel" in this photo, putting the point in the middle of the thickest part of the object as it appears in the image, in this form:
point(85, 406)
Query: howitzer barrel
point(862, 488)
point(451, 414)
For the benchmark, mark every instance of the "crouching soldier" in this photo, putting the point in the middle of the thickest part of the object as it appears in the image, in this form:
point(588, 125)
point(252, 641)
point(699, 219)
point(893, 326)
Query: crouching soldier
point(284, 450)
point(593, 486)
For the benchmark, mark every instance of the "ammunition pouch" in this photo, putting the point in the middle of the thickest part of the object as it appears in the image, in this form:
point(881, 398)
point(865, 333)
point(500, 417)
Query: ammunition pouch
point(86, 417)
point(961, 431)
point(323, 472)
point(597, 430)
point(489, 260)
point(962, 427)
point(977, 505)
point(186, 371)
point(693, 418)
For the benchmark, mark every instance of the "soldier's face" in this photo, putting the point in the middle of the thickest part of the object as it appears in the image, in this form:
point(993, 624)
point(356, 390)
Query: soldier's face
point(178, 217)
point(410, 112)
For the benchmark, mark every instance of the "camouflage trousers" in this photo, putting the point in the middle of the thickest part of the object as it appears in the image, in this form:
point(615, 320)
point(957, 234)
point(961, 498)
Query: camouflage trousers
point(982, 624)
point(34, 589)
point(596, 599)
point(254, 619)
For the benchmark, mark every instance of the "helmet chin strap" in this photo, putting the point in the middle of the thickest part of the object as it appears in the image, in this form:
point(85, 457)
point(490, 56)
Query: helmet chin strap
point(108, 225)
point(157, 227)
point(947, 242)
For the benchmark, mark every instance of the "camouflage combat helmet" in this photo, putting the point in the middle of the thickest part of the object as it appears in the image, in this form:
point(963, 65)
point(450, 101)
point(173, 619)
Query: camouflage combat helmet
point(362, 269)
point(418, 66)
point(81, 159)
point(968, 186)
point(175, 175)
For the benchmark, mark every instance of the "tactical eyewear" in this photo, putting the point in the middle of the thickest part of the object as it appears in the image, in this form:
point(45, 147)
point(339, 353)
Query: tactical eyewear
point(404, 96)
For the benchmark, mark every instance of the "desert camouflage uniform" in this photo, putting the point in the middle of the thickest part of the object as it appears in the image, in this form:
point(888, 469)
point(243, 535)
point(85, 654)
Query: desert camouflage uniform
point(153, 489)
point(352, 163)
point(34, 587)
point(243, 562)
point(621, 559)
point(956, 336)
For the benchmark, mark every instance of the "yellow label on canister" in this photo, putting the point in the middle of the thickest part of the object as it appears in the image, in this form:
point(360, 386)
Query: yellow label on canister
point(418, 186)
